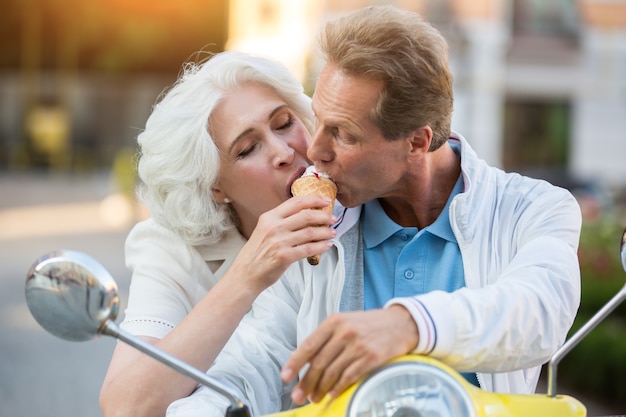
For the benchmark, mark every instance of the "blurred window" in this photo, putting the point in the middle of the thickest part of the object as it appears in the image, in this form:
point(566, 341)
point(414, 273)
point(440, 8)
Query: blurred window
point(536, 135)
point(544, 32)
point(545, 18)
point(439, 12)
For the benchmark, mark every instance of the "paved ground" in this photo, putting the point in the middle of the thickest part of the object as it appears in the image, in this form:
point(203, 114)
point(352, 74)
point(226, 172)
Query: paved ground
point(41, 375)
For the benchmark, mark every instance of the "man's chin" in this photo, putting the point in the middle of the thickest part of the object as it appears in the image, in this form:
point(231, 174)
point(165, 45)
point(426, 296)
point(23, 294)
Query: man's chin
point(347, 202)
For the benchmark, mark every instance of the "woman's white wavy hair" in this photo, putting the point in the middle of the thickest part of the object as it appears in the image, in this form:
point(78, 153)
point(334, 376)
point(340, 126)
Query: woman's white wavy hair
point(178, 160)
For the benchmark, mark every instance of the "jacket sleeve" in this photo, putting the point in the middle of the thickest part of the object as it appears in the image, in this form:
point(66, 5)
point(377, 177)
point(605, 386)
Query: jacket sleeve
point(523, 288)
point(249, 365)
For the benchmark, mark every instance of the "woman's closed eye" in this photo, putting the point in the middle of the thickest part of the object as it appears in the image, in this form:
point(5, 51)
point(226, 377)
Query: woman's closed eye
point(287, 124)
point(247, 151)
point(283, 123)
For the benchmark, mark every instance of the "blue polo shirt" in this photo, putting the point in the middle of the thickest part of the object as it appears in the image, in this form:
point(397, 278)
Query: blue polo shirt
point(404, 261)
point(421, 260)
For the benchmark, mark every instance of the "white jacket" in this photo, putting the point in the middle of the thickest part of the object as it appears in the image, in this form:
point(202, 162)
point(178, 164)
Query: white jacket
point(518, 239)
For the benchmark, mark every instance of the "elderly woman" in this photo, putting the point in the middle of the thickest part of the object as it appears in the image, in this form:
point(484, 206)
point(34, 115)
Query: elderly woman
point(217, 159)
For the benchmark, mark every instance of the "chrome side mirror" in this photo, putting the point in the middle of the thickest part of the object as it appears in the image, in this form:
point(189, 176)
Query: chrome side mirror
point(72, 296)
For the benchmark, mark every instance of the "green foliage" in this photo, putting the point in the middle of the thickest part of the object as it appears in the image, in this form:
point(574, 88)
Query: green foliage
point(597, 366)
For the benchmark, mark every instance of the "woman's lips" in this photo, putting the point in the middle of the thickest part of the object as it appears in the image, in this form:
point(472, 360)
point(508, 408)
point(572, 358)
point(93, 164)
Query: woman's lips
point(294, 177)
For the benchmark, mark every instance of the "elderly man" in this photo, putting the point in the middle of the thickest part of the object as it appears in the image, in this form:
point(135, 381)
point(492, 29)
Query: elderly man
point(437, 252)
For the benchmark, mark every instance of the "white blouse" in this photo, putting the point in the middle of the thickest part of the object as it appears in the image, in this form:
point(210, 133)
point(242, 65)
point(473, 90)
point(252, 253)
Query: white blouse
point(169, 277)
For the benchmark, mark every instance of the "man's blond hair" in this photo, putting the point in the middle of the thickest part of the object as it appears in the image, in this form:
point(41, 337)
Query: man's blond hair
point(408, 54)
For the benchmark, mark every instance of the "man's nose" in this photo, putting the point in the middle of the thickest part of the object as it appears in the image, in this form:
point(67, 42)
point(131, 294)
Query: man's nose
point(319, 147)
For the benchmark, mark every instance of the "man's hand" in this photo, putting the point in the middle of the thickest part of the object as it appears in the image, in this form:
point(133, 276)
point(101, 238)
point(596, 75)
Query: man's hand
point(347, 346)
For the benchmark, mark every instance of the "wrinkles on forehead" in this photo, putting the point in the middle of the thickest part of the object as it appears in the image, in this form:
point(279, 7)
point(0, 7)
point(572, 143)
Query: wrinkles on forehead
point(344, 101)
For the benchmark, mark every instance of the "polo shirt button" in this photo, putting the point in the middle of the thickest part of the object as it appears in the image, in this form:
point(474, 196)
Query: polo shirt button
point(408, 274)
point(404, 237)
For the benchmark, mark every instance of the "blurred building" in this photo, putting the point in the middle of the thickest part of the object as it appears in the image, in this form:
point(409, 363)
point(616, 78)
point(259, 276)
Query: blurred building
point(540, 85)
point(78, 78)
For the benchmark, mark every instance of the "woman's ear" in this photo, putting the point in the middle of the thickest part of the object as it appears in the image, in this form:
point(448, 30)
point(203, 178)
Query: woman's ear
point(219, 196)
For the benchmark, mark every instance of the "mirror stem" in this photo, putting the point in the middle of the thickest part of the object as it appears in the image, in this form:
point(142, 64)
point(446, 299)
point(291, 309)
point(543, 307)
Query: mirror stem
point(112, 329)
point(579, 335)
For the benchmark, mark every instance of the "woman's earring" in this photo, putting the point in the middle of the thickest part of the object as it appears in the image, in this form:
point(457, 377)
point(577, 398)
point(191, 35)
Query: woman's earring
point(227, 200)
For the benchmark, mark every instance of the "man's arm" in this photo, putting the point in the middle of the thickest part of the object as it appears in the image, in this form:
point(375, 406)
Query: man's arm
point(515, 322)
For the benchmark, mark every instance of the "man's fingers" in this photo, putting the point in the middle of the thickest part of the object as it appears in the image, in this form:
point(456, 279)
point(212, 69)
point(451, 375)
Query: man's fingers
point(310, 348)
point(349, 376)
point(324, 370)
point(324, 352)
point(338, 375)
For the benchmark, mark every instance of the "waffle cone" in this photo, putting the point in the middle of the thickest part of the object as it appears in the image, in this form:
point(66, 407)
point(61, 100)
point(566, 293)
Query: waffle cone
point(312, 185)
point(316, 186)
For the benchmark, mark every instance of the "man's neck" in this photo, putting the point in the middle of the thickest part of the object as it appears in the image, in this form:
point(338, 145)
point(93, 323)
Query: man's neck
point(425, 194)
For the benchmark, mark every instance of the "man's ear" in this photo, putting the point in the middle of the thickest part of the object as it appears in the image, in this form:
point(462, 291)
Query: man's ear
point(420, 139)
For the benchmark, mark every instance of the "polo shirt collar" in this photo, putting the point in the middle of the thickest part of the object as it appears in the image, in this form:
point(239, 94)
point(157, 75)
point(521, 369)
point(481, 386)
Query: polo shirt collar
point(378, 227)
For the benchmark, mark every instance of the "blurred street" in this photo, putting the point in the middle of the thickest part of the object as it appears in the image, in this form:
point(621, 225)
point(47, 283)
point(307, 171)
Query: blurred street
point(42, 375)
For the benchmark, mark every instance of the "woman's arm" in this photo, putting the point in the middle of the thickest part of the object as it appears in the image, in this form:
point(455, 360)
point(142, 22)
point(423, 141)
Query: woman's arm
point(137, 385)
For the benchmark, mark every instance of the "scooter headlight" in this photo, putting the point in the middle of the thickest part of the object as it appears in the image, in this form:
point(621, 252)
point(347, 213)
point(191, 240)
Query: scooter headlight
point(411, 389)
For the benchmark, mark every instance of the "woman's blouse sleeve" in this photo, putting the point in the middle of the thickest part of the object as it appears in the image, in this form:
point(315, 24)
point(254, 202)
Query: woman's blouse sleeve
point(168, 278)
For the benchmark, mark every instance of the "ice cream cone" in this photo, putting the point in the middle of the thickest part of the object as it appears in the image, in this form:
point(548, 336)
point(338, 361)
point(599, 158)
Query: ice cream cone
point(316, 185)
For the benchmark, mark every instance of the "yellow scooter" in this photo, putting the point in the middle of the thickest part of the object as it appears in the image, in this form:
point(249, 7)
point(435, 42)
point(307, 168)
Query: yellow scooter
point(73, 297)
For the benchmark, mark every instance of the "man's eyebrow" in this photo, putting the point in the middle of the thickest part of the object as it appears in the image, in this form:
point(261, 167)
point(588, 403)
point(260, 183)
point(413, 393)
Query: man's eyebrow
point(341, 124)
point(250, 129)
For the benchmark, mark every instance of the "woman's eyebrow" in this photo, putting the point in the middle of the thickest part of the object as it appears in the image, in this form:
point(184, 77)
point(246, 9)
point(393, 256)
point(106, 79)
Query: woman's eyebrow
point(276, 110)
point(239, 137)
point(250, 129)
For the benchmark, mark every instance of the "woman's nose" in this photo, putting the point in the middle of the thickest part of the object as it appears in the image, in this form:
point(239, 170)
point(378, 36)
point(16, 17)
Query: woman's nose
point(283, 153)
